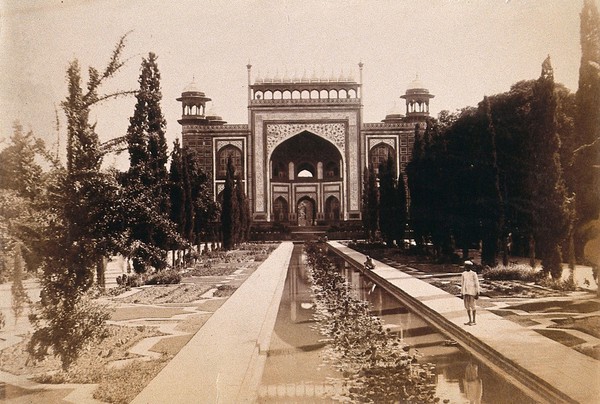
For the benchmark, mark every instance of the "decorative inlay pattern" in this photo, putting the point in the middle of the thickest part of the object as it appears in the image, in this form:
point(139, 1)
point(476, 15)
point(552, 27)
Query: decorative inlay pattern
point(310, 188)
point(375, 141)
point(236, 143)
point(278, 132)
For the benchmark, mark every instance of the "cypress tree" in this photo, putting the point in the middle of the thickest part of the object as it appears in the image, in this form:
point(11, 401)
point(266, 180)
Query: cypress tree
point(229, 208)
point(188, 230)
point(461, 162)
point(147, 187)
point(365, 203)
point(416, 188)
point(372, 203)
point(387, 199)
point(243, 210)
point(205, 208)
point(489, 200)
point(177, 195)
point(547, 192)
point(400, 216)
point(584, 173)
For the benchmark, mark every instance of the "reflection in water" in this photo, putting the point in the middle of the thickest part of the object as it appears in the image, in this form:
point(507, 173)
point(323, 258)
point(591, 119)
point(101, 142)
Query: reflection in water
point(472, 384)
point(295, 372)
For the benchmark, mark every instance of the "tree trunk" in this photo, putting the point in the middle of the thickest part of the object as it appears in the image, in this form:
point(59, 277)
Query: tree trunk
point(101, 272)
point(531, 251)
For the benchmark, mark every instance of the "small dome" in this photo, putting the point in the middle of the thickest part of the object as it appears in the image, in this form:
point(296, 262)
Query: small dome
point(213, 117)
point(394, 115)
point(395, 110)
point(416, 84)
point(192, 87)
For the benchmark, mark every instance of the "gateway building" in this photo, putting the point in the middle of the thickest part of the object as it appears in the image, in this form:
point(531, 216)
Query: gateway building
point(304, 148)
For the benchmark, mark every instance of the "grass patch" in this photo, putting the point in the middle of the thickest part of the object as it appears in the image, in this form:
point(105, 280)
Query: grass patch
point(121, 386)
point(514, 272)
point(184, 293)
point(94, 358)
point(171, 345)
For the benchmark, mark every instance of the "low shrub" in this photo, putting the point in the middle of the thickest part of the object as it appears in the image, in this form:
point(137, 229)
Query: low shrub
point(519, 272)
point(224, 291)
point(164, 277)
point(566, 285)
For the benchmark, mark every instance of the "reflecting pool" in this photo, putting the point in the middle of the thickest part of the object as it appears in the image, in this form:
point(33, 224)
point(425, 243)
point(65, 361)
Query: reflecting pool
point(295, 370)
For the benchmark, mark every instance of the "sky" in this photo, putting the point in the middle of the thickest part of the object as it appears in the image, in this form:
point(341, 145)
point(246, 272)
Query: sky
point(461, 50)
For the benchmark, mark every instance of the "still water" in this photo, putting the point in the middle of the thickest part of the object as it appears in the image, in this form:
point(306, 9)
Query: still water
point(295, 372)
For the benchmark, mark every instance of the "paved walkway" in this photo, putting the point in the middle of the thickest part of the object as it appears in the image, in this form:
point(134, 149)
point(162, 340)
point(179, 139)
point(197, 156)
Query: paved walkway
point(222, 363)
point(575, 375)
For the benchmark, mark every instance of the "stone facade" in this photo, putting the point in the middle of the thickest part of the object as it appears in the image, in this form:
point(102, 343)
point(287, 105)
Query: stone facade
point(304, 148)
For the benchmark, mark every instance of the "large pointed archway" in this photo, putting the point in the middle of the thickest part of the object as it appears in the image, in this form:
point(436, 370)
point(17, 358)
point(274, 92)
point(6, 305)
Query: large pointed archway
point(306, 167)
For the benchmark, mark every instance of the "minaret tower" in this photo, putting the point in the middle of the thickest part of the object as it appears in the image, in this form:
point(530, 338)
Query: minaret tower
point(417, 101)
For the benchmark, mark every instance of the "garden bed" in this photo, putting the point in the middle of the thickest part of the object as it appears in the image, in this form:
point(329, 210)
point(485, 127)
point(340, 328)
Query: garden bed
point(86, 369)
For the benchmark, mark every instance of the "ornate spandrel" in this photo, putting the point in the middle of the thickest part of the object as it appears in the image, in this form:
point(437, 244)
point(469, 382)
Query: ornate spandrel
point(279, 132)
point(375, 141)
point(237, 143)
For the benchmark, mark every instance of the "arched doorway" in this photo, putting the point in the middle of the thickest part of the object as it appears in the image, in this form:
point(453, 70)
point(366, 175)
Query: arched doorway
point(305, 166)
point(280, 210)
point(306, 211)
point(332, 209)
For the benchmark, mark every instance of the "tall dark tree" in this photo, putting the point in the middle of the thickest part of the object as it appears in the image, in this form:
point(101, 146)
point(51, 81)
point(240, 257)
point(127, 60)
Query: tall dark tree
point(205, 208)
point(417, 193)
point(584, 173)
point(433, 190)
point(370, 202)
point(401, 214)
point(461, 160)
point(146, 183)
point(178, 196)
point(229, 208)
point(188, 209)
point(388, 200)
point(546, 188)
point(489, 201)
point(243, 216)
